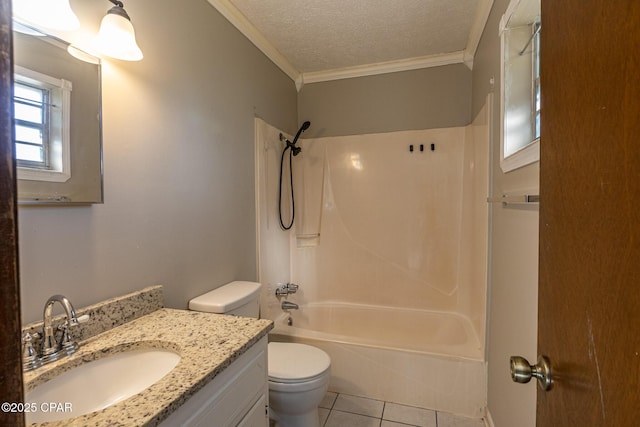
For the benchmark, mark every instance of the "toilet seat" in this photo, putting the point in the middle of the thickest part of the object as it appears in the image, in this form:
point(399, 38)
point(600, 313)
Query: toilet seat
point(299, 387)
point(291, 363)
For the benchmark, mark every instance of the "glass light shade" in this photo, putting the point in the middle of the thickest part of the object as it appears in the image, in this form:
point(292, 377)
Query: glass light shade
point(53, 14)
point(117, 38)
point(80, 54)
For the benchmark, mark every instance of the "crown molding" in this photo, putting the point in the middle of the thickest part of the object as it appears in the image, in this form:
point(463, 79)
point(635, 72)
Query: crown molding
point(233, 15)
point(477, 28)
point(383, 67)
point(236, 18)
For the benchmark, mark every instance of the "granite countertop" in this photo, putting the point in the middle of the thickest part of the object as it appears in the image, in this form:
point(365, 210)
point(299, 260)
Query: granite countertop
point(207, 343)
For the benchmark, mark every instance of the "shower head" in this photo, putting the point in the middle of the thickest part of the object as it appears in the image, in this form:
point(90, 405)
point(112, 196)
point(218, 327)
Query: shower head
point(304, 127)
point(294, 149)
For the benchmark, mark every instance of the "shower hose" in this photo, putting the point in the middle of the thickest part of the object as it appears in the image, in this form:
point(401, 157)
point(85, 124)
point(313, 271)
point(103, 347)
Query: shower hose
point(293, 205)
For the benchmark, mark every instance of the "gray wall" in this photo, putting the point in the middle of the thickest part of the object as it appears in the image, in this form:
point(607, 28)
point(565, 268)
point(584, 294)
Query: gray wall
point(435, 97)
point(178, 159)
point(513, 284)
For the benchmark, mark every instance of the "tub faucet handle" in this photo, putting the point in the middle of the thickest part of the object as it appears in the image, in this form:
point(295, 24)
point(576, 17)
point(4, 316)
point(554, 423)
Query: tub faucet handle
point(289, 288)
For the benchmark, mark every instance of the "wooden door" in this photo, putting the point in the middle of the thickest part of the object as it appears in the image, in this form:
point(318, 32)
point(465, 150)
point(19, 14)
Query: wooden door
point(589, 295)
point(10, 322)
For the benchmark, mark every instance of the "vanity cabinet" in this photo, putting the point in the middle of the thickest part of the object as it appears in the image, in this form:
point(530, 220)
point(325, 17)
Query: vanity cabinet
point(237, 397)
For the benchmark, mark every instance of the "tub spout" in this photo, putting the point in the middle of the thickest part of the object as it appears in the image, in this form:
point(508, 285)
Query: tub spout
point(288, 305)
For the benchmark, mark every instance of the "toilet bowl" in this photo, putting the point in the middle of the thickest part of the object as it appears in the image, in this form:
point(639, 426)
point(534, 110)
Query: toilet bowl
point(298, 374)
point(298, 380)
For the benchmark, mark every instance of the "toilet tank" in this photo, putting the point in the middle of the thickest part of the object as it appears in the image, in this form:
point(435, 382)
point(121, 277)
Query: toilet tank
point(237, 298)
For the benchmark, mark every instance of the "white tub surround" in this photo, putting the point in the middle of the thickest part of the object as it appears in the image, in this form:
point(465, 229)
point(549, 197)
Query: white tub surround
point(428, 360)
point(389, 250)
point(395, 220)
point(420, 331)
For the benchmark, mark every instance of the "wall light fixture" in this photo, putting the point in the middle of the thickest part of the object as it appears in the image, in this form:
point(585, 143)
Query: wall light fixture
point(52, 14)
point(116, 37)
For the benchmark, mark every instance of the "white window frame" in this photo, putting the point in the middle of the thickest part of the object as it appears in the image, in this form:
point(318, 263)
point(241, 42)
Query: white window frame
point(59, 130)
point(529, 152)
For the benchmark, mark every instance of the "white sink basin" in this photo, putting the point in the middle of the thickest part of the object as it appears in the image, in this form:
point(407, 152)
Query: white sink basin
point(98, 384)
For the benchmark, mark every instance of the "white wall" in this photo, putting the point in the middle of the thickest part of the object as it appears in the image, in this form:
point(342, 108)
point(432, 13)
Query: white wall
point(513, 283)
point(178, 161)
point(513, 295)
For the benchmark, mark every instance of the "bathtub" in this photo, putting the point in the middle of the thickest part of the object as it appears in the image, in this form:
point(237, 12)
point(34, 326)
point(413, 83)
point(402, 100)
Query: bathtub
point(412, 357)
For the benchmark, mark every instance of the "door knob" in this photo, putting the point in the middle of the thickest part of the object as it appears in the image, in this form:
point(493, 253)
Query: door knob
point(522, 371)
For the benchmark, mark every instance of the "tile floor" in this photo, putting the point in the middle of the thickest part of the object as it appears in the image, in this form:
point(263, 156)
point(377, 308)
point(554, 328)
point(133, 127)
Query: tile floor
point(343, 410)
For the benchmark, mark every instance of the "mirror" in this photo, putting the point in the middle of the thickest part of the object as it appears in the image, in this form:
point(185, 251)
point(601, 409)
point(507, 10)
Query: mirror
point(58, 131)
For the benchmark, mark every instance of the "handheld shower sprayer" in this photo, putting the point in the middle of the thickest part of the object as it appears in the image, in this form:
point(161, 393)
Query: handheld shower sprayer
point(294, 150)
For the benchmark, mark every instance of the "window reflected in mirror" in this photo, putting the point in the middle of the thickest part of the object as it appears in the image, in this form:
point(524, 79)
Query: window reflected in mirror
point(57, 123)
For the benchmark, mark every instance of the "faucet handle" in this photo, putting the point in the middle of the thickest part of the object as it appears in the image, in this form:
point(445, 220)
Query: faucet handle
point(75, 322)
point(282, 289)
point(64, 326)
point(82, 319)
point(29, 354)
point(289, 288)
point(66, 342)
point(292, 287)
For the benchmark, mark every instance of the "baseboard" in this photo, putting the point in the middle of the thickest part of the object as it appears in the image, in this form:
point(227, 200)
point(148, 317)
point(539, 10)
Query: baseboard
point(488, 421)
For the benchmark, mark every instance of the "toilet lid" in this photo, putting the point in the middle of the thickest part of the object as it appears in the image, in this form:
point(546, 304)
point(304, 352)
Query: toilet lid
point(289, 362)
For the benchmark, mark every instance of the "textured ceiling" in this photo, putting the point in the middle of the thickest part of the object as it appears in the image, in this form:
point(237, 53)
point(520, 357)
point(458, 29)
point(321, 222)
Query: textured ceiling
point(318, 36)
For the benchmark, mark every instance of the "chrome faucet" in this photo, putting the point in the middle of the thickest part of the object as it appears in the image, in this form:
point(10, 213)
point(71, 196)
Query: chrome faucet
point(288, 305)
point(289, 288)
point(51, 349)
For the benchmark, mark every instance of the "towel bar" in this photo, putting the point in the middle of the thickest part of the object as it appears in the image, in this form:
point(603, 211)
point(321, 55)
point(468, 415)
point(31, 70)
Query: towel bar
point(506, 199)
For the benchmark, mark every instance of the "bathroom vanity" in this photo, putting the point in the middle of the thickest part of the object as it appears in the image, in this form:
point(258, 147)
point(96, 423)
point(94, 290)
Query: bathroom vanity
point(220, 380)
point(238, 396)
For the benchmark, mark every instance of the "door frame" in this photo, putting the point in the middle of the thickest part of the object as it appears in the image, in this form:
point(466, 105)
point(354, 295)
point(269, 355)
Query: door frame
point(11, 388)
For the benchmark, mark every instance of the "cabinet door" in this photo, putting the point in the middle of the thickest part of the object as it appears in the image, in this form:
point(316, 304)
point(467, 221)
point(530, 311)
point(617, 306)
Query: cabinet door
point(257, 416)
point(227, 399)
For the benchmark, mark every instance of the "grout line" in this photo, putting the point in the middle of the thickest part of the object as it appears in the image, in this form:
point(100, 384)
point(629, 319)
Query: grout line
point(382, 416)
point(333, 404)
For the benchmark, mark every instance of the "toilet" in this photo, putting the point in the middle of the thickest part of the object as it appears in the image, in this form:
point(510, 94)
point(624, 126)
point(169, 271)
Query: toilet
point(298, 373)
